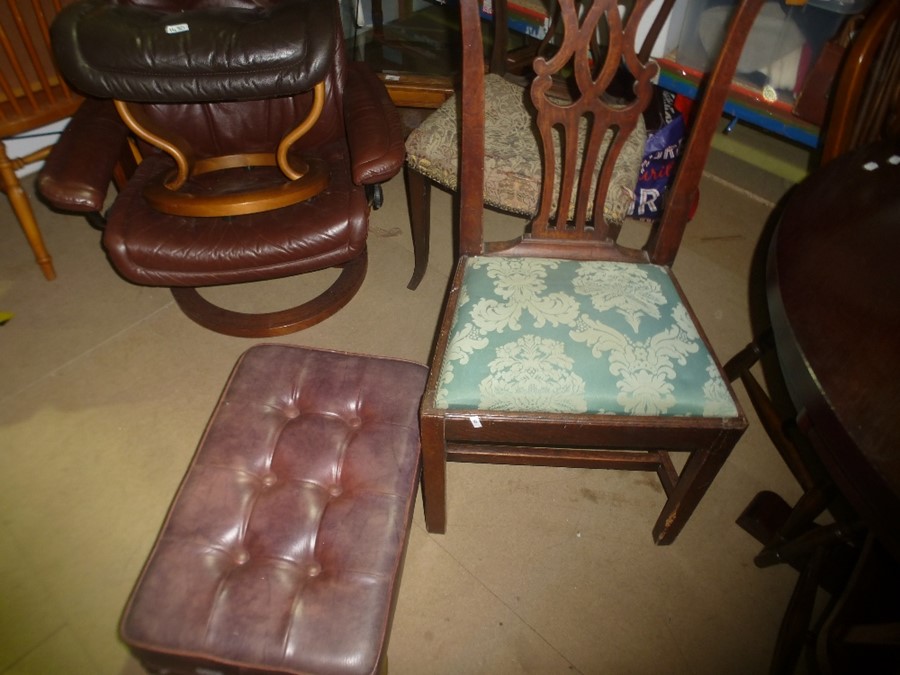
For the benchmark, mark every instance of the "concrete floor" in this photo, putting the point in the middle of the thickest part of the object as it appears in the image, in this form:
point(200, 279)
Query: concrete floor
point(107, 388)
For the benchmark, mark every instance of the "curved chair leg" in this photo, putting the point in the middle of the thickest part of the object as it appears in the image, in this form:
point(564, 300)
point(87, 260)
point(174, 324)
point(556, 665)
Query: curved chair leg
point(418, 195)
point(240, 324)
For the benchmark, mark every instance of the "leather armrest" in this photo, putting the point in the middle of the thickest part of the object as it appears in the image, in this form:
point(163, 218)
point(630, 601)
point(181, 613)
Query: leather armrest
point(79, 169)
point(374, 129)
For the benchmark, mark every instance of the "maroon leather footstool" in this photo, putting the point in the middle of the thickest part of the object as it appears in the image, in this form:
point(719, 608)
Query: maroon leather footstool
point(283, 548)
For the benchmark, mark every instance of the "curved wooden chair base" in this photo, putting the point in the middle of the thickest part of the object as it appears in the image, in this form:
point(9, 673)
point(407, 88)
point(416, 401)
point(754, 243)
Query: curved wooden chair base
point(240, 324)
point(282, 192)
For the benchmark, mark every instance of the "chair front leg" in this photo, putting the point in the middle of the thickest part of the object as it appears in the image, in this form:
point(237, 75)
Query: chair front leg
point(434, 472)
point(697, 475)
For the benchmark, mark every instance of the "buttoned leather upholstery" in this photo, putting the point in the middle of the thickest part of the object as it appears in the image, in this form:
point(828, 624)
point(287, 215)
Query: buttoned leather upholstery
point(283, 548)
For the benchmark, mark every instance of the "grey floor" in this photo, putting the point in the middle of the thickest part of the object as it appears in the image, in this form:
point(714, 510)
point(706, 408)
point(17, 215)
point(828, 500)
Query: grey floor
point(106, 388)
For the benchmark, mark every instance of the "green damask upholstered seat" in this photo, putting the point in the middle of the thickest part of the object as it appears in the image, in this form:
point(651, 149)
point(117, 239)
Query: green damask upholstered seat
point(566, 336)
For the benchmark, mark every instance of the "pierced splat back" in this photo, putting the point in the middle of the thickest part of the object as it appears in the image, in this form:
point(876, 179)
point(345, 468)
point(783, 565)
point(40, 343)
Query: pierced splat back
point(591, 106)
point(571, 222)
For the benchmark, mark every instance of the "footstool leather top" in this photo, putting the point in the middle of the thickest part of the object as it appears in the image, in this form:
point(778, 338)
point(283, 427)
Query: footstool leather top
point(283, 547)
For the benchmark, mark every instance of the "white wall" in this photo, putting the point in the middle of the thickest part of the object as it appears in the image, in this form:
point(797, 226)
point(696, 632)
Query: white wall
point(18, 146)
point(670, 33)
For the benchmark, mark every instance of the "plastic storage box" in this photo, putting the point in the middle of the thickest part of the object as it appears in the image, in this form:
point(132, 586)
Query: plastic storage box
point(781, 49)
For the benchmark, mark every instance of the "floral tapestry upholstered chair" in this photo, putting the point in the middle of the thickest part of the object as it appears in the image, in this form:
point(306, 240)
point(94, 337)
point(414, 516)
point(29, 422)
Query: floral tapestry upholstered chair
point(512, 156)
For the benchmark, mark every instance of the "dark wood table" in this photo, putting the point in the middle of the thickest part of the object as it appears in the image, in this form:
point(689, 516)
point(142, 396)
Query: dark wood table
point(834, 302)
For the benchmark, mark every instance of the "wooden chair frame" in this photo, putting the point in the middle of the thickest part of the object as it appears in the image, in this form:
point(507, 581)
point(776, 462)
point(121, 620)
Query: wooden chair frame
point(32, 95)
point(630, 442)
point(868, 87)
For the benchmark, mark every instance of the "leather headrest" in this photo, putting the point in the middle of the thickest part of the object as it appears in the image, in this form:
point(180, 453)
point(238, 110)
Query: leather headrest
point(153, 51)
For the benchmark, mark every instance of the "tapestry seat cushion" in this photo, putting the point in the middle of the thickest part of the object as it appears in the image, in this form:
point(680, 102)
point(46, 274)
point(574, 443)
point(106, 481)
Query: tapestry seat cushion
point(565, 336)
point(512, 164)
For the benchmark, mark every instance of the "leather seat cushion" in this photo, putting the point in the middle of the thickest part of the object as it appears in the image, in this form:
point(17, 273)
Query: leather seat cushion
point(283, 548)
point(157, 249)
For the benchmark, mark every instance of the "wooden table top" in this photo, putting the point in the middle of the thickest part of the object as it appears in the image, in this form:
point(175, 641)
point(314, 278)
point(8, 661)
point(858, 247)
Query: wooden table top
point(834, 300)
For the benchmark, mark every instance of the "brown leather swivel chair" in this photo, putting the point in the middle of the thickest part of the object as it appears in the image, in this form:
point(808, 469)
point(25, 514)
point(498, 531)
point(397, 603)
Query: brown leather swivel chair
point(261, 147)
